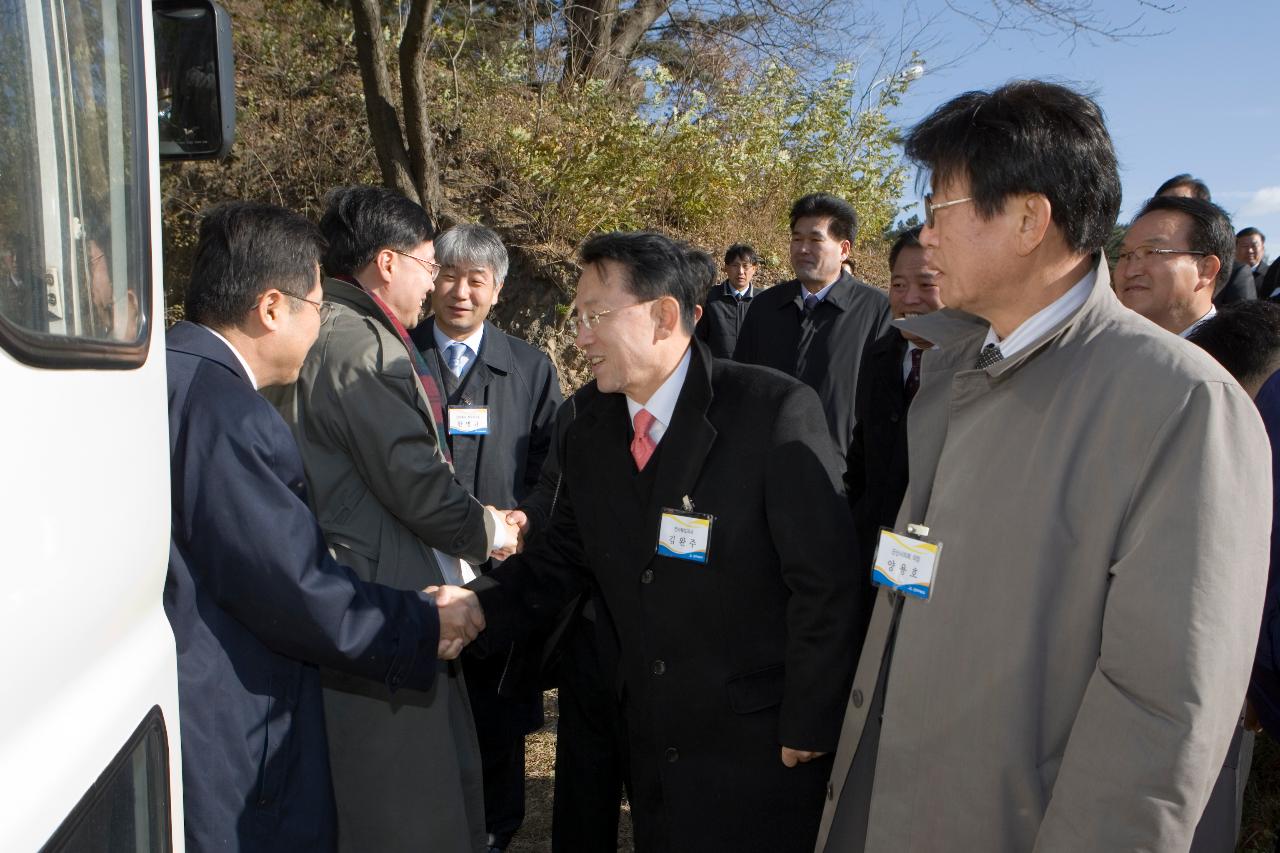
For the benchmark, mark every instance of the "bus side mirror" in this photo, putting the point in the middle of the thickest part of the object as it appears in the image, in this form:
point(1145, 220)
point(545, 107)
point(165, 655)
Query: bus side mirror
point(195, 79)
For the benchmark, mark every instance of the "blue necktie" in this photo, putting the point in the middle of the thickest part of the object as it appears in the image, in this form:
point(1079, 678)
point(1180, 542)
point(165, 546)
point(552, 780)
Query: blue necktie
point(453, 357)
point(810, 302)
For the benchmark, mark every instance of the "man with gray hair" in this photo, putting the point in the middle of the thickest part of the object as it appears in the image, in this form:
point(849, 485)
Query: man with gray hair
point(501, 398)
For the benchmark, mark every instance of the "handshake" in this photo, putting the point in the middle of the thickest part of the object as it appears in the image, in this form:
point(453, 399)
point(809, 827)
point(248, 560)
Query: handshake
point(461, 618)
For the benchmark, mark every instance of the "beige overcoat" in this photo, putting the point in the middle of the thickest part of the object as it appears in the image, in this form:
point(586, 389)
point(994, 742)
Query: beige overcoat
point(1104, 503)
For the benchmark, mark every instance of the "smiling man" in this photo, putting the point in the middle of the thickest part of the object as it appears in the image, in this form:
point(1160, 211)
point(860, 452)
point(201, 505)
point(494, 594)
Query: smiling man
point(1176, 251)
point(501, 395)
point(703, 497)
point(817, 326)
point(877, 474)
point(1100, 490)
point(406, 768)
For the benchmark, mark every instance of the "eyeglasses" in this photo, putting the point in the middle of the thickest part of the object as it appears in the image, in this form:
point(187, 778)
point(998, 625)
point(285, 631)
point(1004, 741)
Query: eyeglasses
point(592, 320)
point(1143, 252)
point(930, 219)
point(324, 309)
point(433, 269)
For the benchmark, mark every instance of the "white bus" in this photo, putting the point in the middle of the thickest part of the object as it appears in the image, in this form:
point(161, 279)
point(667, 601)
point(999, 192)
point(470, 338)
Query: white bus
point(89, 752)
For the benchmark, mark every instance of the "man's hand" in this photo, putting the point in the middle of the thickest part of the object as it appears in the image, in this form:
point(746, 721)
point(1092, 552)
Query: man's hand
point(521, 521)
point(461, 618)
point(509, 536)
point(1251, 721)
point(792, 757)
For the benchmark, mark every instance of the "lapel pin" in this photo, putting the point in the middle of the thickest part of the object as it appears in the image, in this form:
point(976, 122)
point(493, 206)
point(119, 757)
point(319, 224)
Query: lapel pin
point(686, 503)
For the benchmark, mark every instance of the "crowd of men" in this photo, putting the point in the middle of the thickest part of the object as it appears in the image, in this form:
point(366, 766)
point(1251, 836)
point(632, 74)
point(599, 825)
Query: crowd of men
point(391, 532)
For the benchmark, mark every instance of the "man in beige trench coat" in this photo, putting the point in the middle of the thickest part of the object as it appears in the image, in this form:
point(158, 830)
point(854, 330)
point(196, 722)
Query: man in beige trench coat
point(1100, 489)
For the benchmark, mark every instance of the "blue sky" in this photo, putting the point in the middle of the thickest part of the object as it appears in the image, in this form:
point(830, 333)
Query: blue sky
point(1201, 98)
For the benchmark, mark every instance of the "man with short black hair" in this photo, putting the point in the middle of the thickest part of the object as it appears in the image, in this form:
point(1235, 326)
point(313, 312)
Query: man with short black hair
point(255, 599)
point(725, 304)
point(366, 413)
point(1251, 250)
point(501, 395)
point(816, 326)
point(703, 497)
point(1237, 285)
point(1075, 677)
point(1175, 253)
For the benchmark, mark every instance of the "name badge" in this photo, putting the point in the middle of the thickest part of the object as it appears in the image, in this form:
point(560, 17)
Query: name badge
point(907, 562)
point(468, 420)
point(685, 535)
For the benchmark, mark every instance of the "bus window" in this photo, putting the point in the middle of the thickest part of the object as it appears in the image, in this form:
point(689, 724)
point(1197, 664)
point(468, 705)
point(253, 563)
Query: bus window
point(74, 287)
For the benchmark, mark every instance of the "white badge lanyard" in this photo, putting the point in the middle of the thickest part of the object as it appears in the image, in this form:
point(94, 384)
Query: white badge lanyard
point(907, 562)
point(468, 420)
point(685, 534)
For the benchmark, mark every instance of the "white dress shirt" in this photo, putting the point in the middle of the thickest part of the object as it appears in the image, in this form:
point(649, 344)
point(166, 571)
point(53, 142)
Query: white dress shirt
point(1189, 329)
point(247, 369)
point(1044, 319)
point(662, 405)
point(470, 344)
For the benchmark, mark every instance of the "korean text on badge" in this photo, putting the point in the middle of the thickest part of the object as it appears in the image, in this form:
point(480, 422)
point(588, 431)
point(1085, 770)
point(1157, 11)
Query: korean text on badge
point(905, 564)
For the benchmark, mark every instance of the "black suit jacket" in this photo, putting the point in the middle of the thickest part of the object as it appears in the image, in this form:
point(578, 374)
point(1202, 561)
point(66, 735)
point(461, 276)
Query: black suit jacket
point(519, 385)
point(876, 478)
point(255, 602)
point(825, 350)
point(1260, 280)
point(1239, 287)
point(720, 663)
point(722, 316)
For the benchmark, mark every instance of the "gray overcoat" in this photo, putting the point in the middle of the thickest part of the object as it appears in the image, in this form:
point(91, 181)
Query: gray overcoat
point(1103, 499)
point(406, 766)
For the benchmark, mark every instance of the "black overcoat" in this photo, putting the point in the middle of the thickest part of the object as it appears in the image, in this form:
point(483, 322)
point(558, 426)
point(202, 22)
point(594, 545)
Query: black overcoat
point(722, 663)
point(722, 316)
point(823, 350)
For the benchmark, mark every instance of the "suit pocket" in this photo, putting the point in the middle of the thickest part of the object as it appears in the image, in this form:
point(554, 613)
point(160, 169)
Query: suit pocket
point(282, 699)
point(757, 690)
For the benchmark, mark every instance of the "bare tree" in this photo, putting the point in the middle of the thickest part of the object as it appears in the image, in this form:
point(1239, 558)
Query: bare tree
point(406, 156)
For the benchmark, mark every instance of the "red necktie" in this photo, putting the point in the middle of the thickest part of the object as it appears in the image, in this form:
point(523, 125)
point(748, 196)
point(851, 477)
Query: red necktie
point(642, 444)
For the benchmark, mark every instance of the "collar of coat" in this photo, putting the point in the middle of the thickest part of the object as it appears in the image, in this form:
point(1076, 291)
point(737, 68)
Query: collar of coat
point(194, 339)
point(958, 336)
point(495, 348)
point(841, 295)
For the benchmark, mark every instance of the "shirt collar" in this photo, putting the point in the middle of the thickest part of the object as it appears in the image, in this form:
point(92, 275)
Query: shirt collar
point(1189, 329)
point(1045, 319)
point(253, 380)
point(821, 294)
point(662, 405)
point(730, 291)
point(472, 341)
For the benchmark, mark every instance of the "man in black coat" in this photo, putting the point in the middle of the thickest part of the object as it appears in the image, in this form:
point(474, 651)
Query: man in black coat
point(704, 498)
point(726, 303)
point(816, 326)
point(876, 478)
point(253, 596)
point(487, 374)
point(1251, 250)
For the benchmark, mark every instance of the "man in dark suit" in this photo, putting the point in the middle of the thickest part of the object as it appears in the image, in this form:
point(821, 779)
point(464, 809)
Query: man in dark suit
point(1238, 285)
point(704, 498)
point(726, 303)
point(253, 596)
point(816, 326)
point(486, 373)
point(876, 478)
point(1251, 250)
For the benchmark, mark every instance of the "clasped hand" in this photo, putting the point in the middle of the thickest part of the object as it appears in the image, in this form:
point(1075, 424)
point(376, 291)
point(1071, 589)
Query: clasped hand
point(461, 618)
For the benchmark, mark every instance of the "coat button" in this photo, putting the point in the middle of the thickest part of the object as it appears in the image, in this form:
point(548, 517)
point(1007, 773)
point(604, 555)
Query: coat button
point(673, 755)
point(831, 791)
point(659, 667)
point(646, 576)
point(857, 698)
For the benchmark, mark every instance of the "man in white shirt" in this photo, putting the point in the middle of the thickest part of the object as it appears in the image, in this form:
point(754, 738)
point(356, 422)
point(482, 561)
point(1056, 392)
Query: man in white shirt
point(703, 498)
point(1174, 253)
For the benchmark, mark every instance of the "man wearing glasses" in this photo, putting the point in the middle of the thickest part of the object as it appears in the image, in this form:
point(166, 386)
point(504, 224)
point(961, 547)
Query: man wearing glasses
point(703, 497)
point(367, 416)
point(1176, 253)
point(1099, 492)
